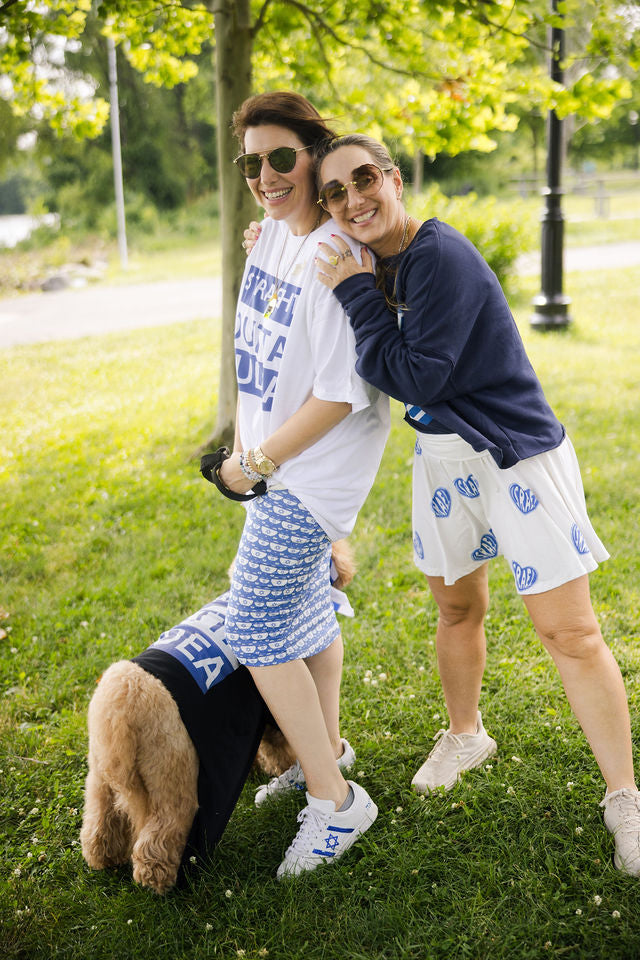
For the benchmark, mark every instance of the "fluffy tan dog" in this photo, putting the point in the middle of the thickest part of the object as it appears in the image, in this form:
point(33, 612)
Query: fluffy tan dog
point(146, 781)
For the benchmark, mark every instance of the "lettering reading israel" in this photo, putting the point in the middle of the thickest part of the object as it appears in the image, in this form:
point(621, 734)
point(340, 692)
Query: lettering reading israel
point(260, 340)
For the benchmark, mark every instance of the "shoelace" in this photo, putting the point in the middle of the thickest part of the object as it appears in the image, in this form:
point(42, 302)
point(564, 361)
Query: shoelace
point(444, 737)
point(312, 821)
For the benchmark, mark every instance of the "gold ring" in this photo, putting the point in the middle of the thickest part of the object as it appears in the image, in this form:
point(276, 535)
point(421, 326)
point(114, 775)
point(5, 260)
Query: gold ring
point(244, 244)
point(333, 260)
point(347, 254)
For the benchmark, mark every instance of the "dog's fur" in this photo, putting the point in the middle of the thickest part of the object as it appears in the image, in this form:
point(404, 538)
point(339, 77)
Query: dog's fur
point(141, 791)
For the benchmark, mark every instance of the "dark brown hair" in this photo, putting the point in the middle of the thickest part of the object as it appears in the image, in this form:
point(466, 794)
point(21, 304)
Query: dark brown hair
point(285, 109)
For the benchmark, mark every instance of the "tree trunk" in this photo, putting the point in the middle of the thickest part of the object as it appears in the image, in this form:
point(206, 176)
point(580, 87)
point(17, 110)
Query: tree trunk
point(233, 48)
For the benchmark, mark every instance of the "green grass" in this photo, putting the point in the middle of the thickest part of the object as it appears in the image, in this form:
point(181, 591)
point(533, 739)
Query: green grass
point(200, 257)
point(109, 536)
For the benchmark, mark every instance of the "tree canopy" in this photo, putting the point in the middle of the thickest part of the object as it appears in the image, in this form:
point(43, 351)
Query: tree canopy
point(434, 75)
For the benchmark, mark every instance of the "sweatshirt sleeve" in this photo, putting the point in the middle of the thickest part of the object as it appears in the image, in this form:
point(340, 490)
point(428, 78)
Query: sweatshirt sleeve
point(412, 354)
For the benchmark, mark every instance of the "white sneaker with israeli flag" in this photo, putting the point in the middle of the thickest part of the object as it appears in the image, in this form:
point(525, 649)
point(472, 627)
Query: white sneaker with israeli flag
point(325, 833)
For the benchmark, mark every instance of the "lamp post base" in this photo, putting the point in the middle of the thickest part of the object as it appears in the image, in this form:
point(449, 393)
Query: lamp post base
point(550, 313)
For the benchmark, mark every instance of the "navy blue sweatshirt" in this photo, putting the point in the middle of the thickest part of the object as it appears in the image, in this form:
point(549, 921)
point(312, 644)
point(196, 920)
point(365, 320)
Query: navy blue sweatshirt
point(453, 349)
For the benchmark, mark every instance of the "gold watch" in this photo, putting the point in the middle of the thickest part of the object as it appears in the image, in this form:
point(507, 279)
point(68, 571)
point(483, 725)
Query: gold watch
point(263, 465)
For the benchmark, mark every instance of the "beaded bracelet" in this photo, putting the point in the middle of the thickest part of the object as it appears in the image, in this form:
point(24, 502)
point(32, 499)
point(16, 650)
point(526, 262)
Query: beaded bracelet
point(252, 475)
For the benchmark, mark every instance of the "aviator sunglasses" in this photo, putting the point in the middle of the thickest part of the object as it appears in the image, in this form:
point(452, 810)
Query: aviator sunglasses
point(282, 160)
point(367, 180)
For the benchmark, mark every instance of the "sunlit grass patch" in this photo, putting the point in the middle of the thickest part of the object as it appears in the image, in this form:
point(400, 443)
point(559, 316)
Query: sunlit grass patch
point(109, 536)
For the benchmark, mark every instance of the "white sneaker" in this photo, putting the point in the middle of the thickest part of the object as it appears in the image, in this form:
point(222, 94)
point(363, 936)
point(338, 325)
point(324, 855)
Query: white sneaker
point(452, 755)
point(622, 819)
point(293, 778)
point(325, 834)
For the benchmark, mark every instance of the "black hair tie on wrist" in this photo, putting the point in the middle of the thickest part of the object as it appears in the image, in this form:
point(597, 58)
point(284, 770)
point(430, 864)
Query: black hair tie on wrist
point(210, 469)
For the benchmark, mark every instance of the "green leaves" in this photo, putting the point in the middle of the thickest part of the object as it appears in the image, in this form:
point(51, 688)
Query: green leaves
point(439, 76)
point(158, 41)
point(33, 40)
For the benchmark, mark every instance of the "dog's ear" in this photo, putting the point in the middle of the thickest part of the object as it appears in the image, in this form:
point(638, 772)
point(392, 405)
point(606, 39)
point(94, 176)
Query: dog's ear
point(342, 556)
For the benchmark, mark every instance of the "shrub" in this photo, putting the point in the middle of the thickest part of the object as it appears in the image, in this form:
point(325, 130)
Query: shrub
point(500, 231)
point(141, 216)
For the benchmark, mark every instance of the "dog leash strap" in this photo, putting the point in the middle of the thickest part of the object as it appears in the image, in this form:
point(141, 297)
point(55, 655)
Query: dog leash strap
point(210, 469)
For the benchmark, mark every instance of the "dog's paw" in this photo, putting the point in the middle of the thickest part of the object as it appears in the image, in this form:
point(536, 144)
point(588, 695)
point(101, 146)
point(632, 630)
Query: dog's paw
point(105, 839)
point(160, 877)
point(98, 856)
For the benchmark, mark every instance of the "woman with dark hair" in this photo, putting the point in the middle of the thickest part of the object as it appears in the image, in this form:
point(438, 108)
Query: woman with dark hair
point(494, 472)
point(315, 432)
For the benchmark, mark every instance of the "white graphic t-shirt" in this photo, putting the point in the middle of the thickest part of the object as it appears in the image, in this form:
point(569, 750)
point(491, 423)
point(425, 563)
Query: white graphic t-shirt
point(298, 345)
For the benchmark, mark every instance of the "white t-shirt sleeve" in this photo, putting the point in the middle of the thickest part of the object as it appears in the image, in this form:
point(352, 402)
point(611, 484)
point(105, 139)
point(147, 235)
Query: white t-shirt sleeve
point(333, 349)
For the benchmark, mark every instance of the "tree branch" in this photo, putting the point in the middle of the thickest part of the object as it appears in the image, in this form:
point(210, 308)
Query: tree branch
point(502, 27)
point(170, 5)
point(259, 22)
point(5, 6)
point(314, 17)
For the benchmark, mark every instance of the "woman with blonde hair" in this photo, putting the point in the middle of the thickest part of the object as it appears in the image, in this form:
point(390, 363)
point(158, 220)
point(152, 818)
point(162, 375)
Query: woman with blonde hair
point(494, 471)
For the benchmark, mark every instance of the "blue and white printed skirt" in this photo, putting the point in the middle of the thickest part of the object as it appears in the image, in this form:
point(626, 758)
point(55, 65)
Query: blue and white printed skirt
point(280, 605)
point(466, 510)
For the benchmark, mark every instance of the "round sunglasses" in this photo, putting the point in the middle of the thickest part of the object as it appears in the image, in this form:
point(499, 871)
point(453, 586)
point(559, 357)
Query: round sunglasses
point(367, 180)
point(282, 160)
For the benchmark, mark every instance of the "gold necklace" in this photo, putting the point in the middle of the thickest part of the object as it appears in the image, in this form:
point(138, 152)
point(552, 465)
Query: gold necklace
point(404, 234)
point(395, 278)
point(273, 299)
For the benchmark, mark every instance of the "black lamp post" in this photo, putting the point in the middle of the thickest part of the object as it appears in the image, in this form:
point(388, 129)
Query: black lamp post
point(633, 120)
point(551, 305)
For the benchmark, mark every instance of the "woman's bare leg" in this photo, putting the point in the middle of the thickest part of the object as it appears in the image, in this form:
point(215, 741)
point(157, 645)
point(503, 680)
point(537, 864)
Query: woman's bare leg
point(461, 644)
point(290, 693)
point(326, 669)
point(565, 622)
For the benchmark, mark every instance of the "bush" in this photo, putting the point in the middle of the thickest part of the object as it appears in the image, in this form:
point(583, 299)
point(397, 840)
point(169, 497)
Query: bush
point(141, 217)
point(500, 231)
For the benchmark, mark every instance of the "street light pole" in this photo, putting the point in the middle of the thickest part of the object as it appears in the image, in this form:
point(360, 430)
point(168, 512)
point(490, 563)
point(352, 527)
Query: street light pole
point(117, 154)
point(633, 120)
point(551, 305)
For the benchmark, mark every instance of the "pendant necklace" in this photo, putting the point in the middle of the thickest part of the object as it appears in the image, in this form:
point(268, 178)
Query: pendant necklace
point(404, 234)
point(395, 278)
point(273, 299)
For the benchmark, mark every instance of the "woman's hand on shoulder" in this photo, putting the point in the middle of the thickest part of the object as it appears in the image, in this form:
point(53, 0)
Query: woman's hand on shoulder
point(337, 262)
point(251, 235)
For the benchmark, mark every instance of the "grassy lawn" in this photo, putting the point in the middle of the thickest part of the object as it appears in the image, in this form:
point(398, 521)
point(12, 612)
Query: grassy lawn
point(109, 536)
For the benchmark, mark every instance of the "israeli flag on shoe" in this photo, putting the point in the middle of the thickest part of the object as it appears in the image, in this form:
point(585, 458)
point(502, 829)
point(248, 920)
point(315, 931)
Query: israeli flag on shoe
point(332, 841)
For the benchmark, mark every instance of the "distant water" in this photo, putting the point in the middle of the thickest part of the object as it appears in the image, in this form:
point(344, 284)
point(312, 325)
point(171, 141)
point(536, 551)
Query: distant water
point(17, 227)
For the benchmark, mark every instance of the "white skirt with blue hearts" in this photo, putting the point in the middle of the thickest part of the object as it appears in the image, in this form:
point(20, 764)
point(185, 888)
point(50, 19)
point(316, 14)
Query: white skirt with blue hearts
point(466, 510)
point(280, 604)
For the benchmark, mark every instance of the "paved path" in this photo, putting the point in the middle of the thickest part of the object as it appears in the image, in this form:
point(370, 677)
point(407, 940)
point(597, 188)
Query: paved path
point(69, 314)
point(605, 257)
